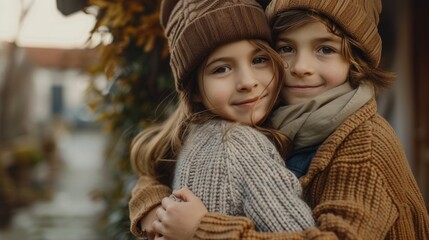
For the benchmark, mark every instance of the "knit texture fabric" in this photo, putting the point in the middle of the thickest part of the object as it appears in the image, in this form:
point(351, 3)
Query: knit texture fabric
point(146, 195)
point(195, 28)
point(310, 123)
point(359, 186)
point(236, 170)
point(359, 18)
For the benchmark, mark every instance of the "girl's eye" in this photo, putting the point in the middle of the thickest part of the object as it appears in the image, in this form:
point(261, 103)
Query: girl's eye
point(284, 49)
point(327, 50)
point(222, 69)
point(259, 60)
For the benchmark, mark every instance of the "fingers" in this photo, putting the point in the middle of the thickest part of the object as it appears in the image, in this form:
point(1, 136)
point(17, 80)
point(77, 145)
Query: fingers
point(185, 194)
point(147, 220)
point(174, 198)
point(167, 203)
point(150, 232)
point(161, 214)
point(159, 229)
point(167, 206)
point(160, 226)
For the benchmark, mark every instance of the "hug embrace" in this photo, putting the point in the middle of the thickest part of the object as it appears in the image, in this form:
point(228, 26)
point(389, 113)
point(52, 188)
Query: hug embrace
point(276, 133)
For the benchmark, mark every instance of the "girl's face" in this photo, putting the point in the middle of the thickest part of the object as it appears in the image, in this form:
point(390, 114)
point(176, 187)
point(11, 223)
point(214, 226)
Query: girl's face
point(237, 82)
point(314, 62)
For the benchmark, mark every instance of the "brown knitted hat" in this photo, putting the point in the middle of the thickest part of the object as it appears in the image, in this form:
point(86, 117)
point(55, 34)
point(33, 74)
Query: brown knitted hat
point(194, 28)
point(359, 18)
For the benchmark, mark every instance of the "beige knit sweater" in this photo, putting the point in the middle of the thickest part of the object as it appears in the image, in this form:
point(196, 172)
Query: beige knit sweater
point(359, 186)
point(235, 170)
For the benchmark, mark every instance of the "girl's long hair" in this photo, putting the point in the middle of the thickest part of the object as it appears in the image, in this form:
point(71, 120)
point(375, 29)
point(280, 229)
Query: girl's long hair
point(154, 150)
point(360, 67)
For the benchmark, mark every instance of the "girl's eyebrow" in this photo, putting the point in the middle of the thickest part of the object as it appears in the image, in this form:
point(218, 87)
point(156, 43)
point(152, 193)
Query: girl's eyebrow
point(224, 59)
point(221, 59)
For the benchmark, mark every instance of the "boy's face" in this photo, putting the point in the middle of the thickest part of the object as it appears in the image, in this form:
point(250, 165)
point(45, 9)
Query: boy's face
point(237, 82)
point(314, 62)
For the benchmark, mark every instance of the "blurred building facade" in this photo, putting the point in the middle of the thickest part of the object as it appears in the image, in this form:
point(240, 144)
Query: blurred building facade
point(42, 92)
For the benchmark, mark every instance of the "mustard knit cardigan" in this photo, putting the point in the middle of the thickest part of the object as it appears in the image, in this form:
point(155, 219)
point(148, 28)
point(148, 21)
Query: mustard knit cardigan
point(359, 186)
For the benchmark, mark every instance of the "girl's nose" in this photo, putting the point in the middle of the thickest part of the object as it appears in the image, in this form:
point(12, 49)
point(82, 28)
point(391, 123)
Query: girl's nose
point(246, 80)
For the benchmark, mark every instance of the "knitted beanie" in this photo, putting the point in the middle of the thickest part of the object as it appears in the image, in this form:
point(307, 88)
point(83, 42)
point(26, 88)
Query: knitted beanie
point(359, 18)
point(195, 28)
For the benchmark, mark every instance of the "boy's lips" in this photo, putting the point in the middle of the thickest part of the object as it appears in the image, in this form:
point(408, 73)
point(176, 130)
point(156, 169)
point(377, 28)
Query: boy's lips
point(303, 88)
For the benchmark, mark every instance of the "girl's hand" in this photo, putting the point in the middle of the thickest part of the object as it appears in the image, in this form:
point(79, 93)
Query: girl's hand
point(147, 220)
point(179, 220)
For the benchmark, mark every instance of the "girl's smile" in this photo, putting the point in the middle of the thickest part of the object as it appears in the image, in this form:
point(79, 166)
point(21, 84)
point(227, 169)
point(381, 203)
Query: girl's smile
point(237, 82)
point(249, 102)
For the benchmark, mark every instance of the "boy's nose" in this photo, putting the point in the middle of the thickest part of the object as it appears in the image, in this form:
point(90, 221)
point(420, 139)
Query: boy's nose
point(301, 66)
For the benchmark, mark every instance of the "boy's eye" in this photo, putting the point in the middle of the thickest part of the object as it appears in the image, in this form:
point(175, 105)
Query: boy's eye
point(222, 69)
point(327, 50)
point(284, 49)
point(260, 60)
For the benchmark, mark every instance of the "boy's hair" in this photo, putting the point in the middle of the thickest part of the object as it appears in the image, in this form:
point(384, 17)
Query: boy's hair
point(357, 18)
point(361, 67)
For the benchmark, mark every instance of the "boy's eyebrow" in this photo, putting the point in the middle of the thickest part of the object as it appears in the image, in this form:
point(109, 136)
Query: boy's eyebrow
point(327, 39)
point(254, 52)
point(316, 40)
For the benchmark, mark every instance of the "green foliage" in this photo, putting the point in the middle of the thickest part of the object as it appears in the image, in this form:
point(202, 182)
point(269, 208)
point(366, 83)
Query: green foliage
point(140, 87)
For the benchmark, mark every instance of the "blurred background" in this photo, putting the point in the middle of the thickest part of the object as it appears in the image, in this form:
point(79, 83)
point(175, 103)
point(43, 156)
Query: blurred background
point(80, 78)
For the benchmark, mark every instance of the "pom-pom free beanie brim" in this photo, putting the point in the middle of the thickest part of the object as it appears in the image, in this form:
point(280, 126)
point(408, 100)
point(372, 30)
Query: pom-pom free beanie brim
point(195, 28)
point(359, 18)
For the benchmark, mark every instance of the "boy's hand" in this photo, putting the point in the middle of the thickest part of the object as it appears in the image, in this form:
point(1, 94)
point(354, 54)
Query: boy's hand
point(179, 220)
point(147, 220)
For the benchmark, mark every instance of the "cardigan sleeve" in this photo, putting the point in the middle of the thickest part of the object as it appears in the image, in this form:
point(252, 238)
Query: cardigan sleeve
point(146, 194)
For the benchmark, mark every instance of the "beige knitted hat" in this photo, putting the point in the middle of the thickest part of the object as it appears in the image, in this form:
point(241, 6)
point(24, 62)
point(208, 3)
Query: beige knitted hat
point(194, 28)
point(359, 18)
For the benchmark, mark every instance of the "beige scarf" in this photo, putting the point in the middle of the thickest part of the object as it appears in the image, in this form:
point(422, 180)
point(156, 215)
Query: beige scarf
point(312, 122)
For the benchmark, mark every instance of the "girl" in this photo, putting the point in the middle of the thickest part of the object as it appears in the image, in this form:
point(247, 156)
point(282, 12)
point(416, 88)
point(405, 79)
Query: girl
point(233, 168)
point(358, 183)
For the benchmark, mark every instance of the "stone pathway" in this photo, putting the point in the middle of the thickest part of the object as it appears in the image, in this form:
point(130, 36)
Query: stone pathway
point(72, 214)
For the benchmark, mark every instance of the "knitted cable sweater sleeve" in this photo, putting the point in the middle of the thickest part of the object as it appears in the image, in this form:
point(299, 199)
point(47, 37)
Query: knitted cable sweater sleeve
point(146, 194)
point(236, 170)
